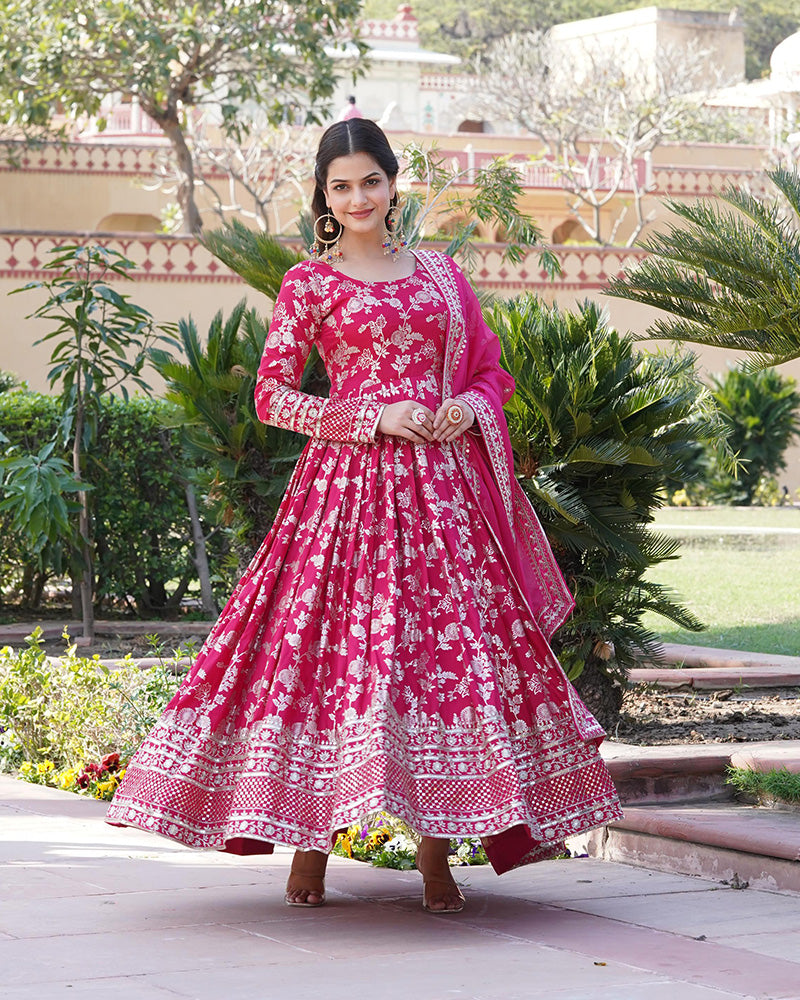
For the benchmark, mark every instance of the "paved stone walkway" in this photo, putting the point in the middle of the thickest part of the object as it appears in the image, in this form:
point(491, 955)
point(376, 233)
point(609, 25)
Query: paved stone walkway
point(90, 911)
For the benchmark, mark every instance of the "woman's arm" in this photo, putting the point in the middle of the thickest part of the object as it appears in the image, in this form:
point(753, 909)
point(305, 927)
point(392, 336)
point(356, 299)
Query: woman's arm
point(279, 401)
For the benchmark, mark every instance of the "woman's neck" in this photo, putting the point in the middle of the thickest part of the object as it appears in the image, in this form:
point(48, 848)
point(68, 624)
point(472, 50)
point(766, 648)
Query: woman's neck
point(360, 249)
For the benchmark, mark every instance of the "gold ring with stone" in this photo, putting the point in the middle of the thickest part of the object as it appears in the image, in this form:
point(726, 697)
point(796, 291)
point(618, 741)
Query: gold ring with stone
point(418, 416)
point(455, 414)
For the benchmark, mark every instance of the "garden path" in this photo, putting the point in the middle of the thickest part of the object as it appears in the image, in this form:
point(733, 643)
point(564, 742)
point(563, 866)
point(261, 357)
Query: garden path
point(94, 911)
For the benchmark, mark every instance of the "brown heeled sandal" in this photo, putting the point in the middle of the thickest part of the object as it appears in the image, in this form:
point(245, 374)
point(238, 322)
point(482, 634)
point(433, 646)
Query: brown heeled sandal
point(450, 885)
point(315, 886)
point(310, 877)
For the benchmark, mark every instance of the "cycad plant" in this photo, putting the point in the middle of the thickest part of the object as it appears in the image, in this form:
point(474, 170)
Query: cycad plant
point(728, 273)
point(596, 428)
point(762, 409)
point(243, 465)
point(247, 463)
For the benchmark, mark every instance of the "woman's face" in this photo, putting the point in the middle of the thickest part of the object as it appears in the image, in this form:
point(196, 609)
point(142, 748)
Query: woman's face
point(359, 193)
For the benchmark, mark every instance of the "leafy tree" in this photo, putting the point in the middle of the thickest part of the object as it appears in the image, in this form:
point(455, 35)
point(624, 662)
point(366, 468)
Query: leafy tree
point(596, 429)
point(171, 57)
point(141, 543)
point(762, 409)
point(597, 118)
point(36, 500)
point(727, 274)
point(466, 27)
point(102, 340)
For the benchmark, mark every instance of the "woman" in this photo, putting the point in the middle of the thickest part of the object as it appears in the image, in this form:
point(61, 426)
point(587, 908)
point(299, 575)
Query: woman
point(387, 647)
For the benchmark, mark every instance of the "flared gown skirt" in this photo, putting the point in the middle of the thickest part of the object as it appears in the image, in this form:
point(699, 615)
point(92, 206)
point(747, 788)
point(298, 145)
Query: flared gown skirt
point(378, 654)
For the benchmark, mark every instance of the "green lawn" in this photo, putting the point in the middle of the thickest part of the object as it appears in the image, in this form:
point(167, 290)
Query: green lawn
point(745, 587)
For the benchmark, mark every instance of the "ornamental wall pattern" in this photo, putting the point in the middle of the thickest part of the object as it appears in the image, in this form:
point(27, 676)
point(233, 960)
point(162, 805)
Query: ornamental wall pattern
point(183, 259)
point(142, 161)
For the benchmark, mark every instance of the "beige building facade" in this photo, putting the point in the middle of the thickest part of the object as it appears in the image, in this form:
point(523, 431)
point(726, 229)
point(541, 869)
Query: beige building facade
point(100, 188)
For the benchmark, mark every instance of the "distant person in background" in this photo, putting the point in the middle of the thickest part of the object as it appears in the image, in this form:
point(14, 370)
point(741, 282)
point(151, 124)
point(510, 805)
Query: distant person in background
point(349, 110)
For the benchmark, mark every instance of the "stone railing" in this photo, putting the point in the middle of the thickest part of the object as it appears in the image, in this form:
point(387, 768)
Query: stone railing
point(699, 182)
point(446, 82)
point(23, 256)
point(80, 158)
point(140, 160)
point(183, 259)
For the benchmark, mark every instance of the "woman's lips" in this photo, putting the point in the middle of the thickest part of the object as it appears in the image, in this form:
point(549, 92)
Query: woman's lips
point(363, 214)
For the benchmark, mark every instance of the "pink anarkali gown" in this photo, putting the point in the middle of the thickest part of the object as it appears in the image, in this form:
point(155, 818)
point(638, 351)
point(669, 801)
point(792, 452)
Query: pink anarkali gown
point(387, 648)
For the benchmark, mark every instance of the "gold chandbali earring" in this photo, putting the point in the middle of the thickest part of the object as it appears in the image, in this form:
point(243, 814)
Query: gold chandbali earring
point(326, 247)
point(395, 240)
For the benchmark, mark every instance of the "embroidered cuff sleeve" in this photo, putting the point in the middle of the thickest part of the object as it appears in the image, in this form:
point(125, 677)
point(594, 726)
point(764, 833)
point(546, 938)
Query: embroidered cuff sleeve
point(353, 421)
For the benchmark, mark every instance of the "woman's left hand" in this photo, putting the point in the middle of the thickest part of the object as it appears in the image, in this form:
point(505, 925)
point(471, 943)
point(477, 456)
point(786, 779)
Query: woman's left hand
point(444, 429)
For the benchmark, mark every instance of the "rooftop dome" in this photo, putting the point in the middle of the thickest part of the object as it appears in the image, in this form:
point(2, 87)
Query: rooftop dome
point(784, 62)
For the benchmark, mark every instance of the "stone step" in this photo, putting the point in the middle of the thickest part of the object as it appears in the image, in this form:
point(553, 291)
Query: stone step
point(716, 678)
point(734, 659)
point(708, 669)
point(726, 842)
point(689, 772)
point(16, 633)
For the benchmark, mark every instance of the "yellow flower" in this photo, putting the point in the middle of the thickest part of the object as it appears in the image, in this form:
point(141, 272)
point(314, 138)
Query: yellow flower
point(45, 767)
point(27, 768)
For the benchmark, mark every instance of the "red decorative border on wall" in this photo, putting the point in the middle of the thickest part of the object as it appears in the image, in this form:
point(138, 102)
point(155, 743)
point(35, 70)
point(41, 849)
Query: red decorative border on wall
point(184, 259)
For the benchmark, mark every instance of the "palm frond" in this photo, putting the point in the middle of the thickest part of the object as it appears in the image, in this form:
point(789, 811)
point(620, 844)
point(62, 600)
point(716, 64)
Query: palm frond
point(728, 275)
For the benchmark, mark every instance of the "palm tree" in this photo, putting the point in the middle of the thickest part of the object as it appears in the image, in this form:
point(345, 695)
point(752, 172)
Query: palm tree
point(728, 274)
point(597, 428)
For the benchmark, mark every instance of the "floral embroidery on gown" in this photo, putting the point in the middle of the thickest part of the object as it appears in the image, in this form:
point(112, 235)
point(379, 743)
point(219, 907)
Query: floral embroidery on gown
point(378, 653)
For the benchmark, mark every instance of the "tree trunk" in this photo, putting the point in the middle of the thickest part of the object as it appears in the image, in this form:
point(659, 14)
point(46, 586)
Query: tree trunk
point(200, 554)
point(601, 693)
point(84, 524)
point(192, 223)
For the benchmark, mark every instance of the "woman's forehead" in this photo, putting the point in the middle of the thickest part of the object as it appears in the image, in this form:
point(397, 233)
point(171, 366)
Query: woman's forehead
point(354, 167)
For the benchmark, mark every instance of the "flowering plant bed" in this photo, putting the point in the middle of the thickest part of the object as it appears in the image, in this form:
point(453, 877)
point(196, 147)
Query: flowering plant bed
point(387, 842)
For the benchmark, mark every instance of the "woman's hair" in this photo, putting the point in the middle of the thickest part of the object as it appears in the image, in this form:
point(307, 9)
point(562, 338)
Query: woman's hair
point(357, 135)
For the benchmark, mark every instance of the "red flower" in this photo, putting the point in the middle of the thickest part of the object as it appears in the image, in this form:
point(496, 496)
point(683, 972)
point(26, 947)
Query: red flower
point(110, 762)
point(92, 770)
point(83, 779)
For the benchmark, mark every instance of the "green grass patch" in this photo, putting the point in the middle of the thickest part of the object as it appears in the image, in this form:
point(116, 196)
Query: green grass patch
point(778, 784)
point(734, 517)
point(743, 585)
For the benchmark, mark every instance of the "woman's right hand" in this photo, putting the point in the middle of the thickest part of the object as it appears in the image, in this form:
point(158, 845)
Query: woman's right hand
point(397, 419)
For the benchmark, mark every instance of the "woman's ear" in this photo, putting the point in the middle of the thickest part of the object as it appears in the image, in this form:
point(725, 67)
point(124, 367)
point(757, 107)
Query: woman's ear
point(393, 187)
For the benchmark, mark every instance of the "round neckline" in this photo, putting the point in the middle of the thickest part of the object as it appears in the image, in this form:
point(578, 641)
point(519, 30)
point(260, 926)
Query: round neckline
point(366, 281)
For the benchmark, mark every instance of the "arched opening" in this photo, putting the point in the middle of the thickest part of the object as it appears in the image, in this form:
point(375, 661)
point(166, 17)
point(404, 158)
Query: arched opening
point(472, 125)
point(567, 230)
point(128, 222)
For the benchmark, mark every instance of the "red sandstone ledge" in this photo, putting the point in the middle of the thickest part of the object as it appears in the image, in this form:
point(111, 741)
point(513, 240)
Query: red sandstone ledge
point(731, 659)
point(709, 678)
point(626, 760)
point(763, 832)
point(17, 632)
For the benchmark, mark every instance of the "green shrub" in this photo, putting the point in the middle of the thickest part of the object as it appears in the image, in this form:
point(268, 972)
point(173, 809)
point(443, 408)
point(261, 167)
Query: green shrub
point(212, 385)
point(60, 713)
point(762, 409)
point(596, 428)
point(143, 551)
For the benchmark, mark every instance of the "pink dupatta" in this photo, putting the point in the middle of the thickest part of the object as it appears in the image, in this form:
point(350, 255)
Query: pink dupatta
point(472, 371)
